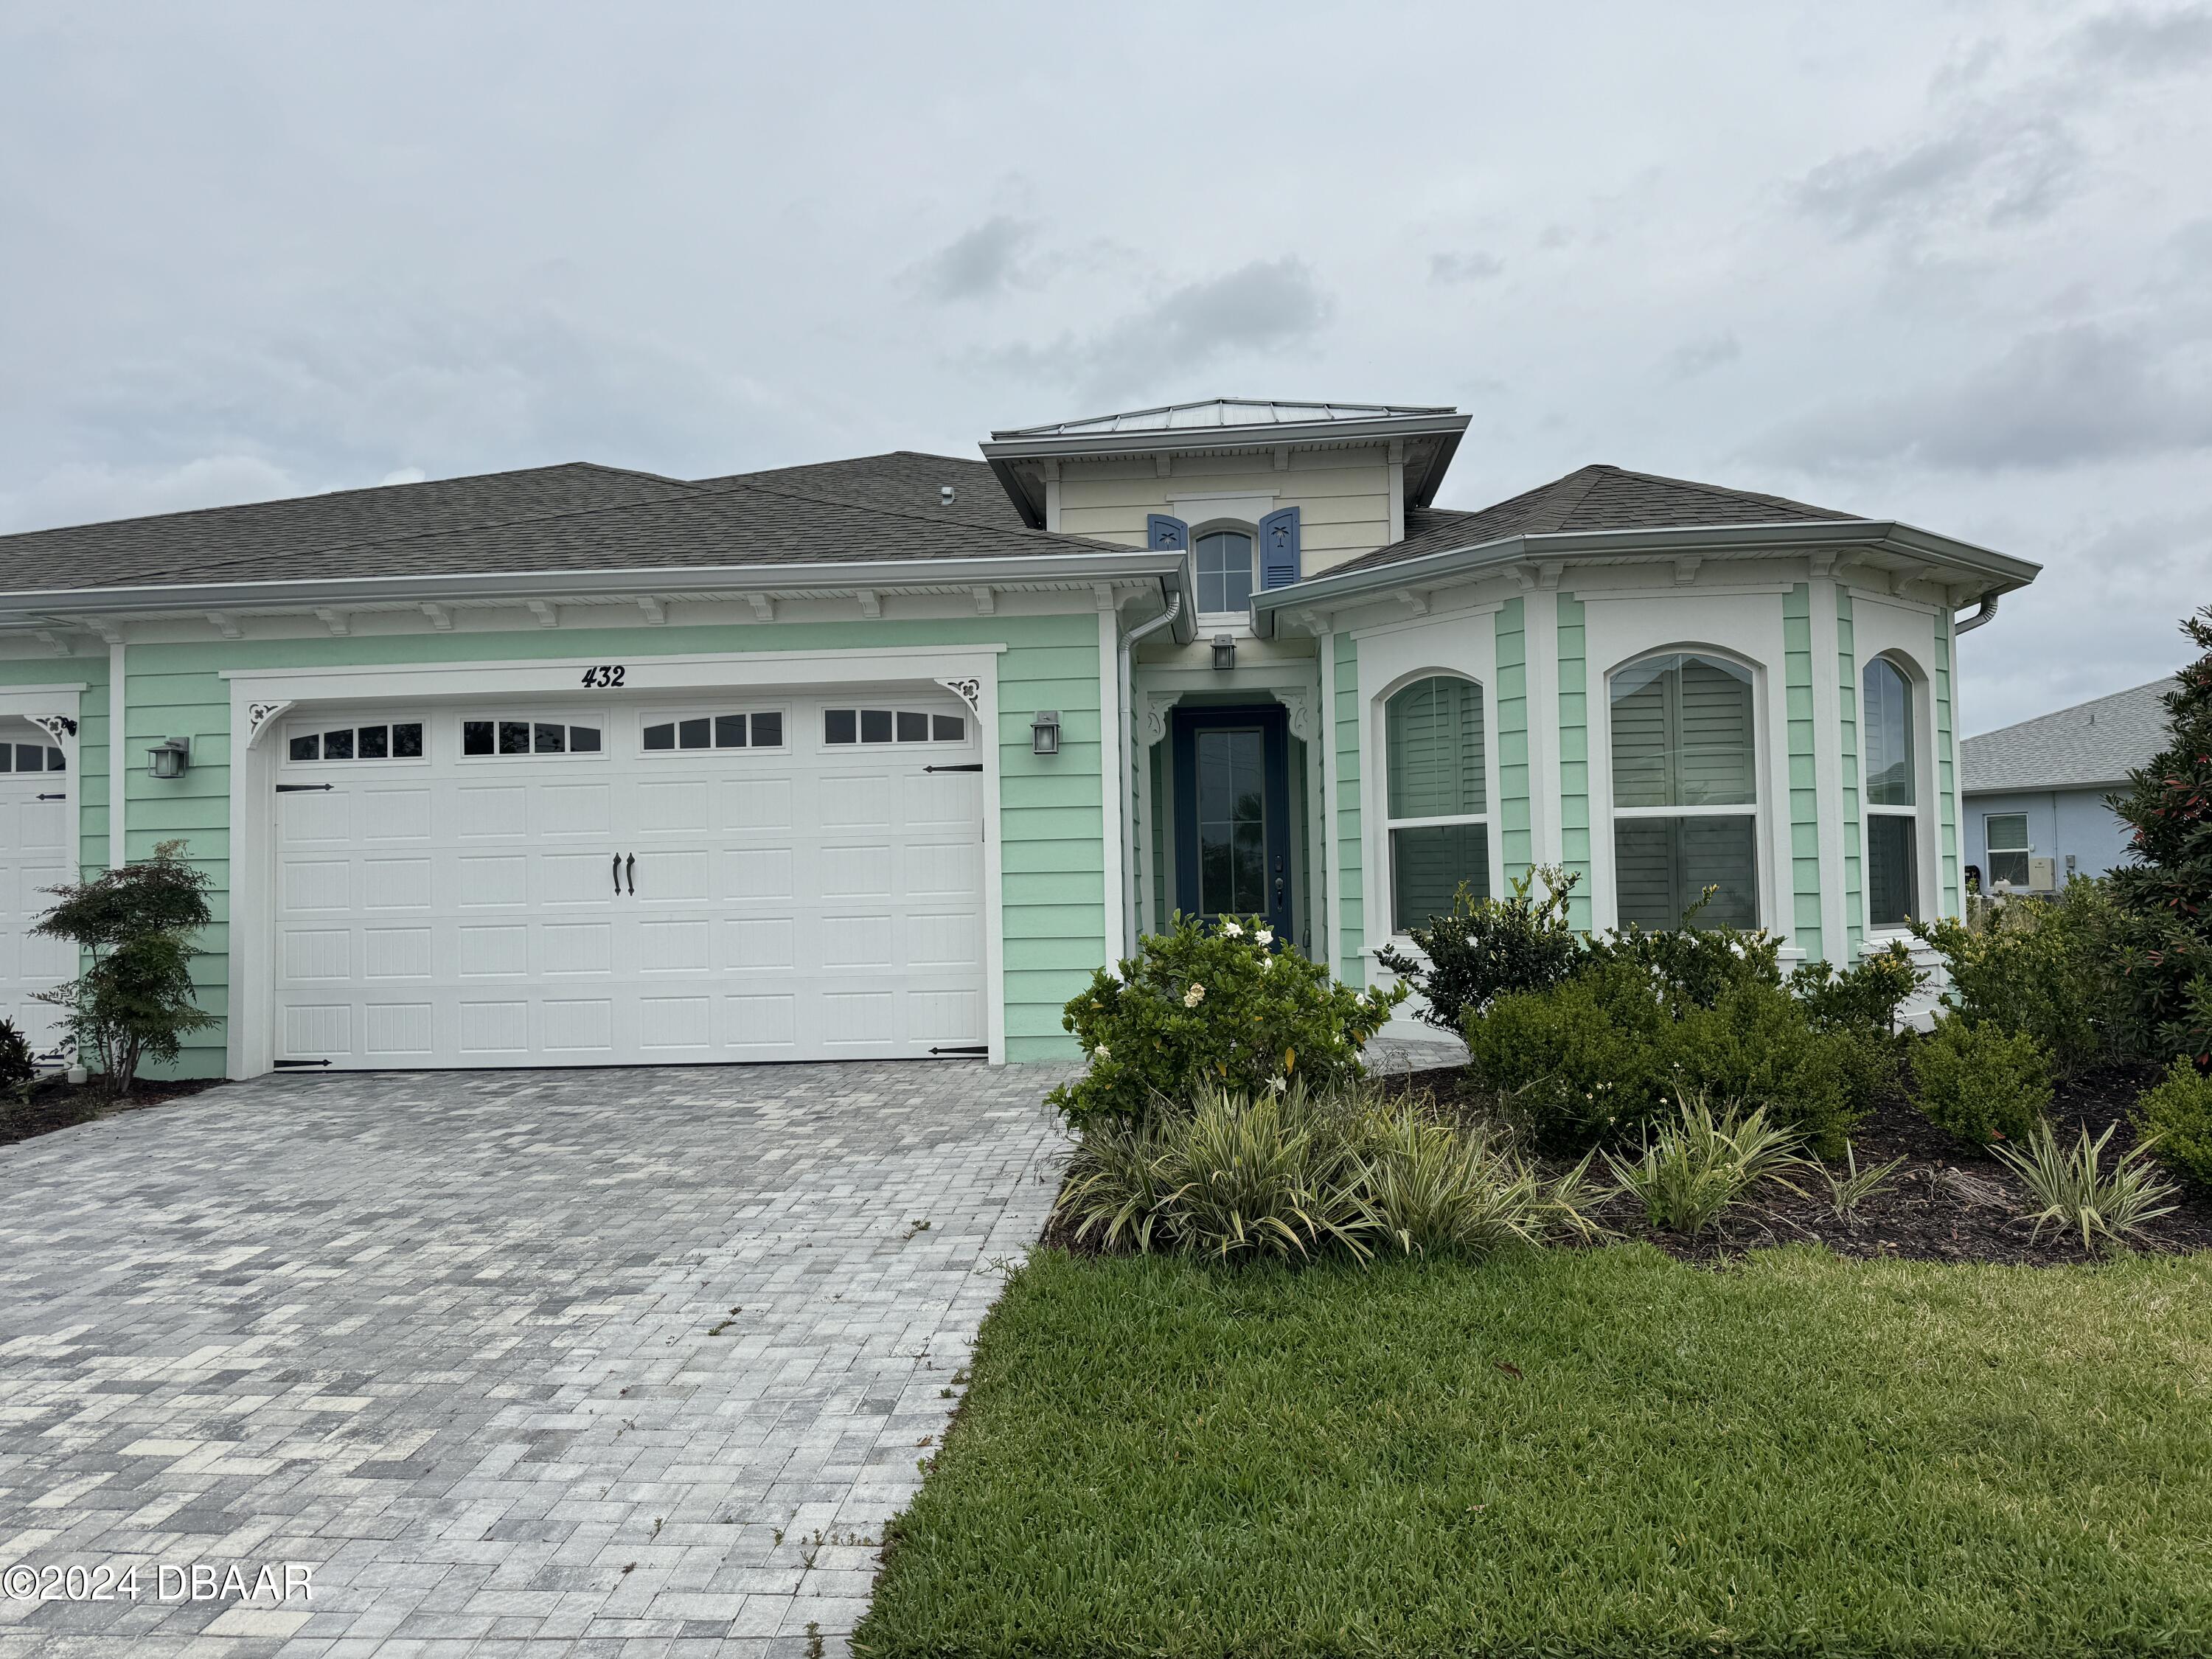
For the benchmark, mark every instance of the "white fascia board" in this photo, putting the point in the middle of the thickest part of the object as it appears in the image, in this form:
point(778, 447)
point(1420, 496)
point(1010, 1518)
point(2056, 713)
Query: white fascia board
point(1749, 540)
point(1178, 438)
point(886, 575)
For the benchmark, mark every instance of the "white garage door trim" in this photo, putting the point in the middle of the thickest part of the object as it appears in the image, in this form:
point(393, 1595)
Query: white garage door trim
point(54, 710)
point(260, 699)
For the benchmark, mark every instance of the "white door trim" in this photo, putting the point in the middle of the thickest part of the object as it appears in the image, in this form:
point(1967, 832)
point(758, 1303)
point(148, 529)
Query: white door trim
point(66, 701)
point(252, 775)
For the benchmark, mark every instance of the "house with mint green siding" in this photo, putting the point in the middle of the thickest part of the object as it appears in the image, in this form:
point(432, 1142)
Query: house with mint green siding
point(879, 758)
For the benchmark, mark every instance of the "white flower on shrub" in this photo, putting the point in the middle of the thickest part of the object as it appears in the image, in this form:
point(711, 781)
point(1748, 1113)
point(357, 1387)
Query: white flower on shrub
point(1230, 930)
point(1103, 1052)
point(1194, 996)
point(1263, 938)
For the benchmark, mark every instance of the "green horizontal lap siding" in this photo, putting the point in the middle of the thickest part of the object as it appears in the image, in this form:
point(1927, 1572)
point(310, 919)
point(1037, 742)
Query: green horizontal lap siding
point(1804, 794)
point(1051, 823)
point(1946, 775)
point(1847, 702)
point(1352, 928)
point(1574, 756)
point(1516, 845)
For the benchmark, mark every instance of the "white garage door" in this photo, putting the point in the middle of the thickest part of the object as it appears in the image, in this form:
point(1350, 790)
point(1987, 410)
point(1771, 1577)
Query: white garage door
point(34, 856)
point(794, 877)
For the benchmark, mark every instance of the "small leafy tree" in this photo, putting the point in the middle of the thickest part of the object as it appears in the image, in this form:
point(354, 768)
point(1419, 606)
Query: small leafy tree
point(2165, 893)
point(135, 926)
point(1486, 947)
point(1216, 1007)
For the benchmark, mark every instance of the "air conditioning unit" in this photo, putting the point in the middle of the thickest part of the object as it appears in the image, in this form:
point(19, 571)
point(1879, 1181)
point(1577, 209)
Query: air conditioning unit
point(2043, 875)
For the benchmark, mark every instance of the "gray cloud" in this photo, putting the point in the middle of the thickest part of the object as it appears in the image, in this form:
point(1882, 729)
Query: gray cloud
point(1997, 166)
point(1267, 306)
point(1473, 267)
point(1703, 355)
point(978, 263)
point(2059, 398)
point(2139, 42)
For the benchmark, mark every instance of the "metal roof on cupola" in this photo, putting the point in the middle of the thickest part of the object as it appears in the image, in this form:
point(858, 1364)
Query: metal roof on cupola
point(1218, 412)
point(1420, 437)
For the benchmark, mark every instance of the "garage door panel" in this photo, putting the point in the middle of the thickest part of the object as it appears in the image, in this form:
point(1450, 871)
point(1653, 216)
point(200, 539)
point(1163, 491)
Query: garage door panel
point(492, 812)
point(794, 904)
point(492, 882)
point(389, 953)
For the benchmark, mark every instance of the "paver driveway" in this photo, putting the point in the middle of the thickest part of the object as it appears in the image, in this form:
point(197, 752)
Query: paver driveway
point(632, 1362)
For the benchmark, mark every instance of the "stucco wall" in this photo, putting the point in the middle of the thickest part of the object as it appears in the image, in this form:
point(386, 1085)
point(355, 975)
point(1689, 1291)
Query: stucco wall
point(2059, 821)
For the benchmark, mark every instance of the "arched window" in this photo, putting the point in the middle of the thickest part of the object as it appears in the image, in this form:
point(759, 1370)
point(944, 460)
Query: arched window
point(1685, 791)
point(1225, 572)
point(1436, 804)
point(1886, 717)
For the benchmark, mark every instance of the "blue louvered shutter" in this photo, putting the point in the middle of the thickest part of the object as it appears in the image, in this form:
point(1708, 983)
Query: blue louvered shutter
point(1162, 531)
point(1279, 547)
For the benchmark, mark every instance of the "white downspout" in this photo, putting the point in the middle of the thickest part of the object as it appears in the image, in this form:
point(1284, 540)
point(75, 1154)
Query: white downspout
point(1132, 900)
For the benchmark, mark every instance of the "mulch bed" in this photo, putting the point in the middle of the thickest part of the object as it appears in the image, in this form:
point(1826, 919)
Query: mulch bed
point(55, 1103)
point(1949, 1200)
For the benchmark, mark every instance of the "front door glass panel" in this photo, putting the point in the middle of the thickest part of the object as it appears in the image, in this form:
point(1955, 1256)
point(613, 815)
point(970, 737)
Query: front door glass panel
point(1232, 822)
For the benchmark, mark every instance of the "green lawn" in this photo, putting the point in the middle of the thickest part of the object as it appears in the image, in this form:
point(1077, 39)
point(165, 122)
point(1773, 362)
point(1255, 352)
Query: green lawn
point(1805, 1455)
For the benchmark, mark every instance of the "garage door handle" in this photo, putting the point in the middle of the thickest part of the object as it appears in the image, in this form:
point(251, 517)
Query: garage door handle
point(299, 788)
point(618, 875)
point(971, 765)
point(61, 797)
point(629, 868)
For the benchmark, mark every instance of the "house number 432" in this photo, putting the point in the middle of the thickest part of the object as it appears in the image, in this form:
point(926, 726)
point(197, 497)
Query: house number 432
point(603, 676)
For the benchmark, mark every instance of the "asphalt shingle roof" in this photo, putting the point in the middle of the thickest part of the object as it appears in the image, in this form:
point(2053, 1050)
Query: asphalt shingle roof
point(2097, 742)
point(295, 533)
point(548, 519)
point(1597, 498)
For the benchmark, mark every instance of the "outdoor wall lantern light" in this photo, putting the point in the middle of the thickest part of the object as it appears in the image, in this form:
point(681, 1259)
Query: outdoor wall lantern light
point(170, 758)
point(1044, 732)
point(1225, 652)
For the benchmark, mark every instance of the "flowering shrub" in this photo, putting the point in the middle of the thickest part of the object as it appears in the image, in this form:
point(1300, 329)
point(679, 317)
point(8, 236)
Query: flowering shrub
point(1485, 947)
point(1222, 1008)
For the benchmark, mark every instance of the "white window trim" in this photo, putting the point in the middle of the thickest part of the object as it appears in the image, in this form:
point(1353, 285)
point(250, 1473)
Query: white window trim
point(1226, 622)
point(254, 766)
point(1767, 899)
point(1920, 716)
point(1389, 897)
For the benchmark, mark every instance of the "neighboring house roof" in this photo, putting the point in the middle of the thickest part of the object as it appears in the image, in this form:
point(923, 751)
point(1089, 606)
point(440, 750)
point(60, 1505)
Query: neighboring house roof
point(2094, 743)
point(1215, 412)
point(905, 479)
point(1597, 498)
point(170, 546)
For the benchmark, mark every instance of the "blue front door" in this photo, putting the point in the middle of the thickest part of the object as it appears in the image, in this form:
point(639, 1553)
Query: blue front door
point(1232, 814)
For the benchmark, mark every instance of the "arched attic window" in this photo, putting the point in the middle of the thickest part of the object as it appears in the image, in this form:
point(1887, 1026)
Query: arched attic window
point(1892, 855)
point(1685, 791)
point(1225, 572)
point(1436, 797)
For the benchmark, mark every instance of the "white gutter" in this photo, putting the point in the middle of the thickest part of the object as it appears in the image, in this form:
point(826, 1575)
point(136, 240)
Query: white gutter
point(798, 577)
point(1125, 740)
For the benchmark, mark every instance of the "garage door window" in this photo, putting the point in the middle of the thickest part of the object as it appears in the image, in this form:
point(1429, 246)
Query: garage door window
point(399, 740)
point(519, 736)
point(761, 728)
point(891, 725)
point(31, 757)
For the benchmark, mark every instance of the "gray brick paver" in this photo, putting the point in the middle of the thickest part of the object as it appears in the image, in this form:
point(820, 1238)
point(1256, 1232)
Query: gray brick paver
point(448, 1337)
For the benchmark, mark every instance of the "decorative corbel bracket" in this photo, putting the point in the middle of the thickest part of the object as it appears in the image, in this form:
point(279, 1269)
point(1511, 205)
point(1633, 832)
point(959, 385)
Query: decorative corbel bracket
point(970, 690)
point(225, 624)
point(871, 606)
point(261, 717)
point(986, 601)
point(763, 607)
point(656, 615)
point(336, 621)
point(441, 619)
point(547, 615)
point(1686, 568)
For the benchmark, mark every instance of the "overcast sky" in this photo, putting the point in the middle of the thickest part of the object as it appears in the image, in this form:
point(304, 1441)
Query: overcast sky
point(1945, 263)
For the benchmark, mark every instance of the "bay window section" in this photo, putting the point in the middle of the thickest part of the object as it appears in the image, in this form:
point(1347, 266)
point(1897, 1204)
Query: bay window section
point(1885, 715)
point(1685, 791)
point(1435, 798)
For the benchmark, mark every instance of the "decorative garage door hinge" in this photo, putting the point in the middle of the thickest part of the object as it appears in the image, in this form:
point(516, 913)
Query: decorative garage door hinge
point(296, 1064)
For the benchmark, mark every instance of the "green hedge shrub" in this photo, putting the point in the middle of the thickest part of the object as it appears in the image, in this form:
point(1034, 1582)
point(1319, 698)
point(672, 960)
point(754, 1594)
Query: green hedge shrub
point(1595, 1061)
point(1486, 947)
point(17, 1062)
point(1981, 1082)
point(1865, 997)
point(1218, 1008)
point(2178, 1111)
point(2049, 968)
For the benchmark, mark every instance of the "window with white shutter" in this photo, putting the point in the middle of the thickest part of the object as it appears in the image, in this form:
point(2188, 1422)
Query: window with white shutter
point(1685, 791)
